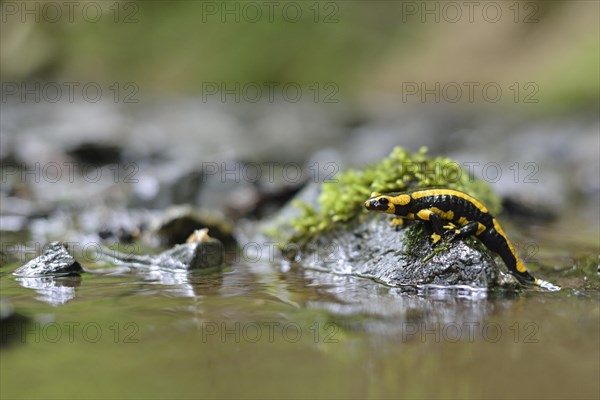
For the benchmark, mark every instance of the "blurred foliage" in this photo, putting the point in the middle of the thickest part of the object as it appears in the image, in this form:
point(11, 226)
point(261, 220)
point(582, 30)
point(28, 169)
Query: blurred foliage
point(172, 48)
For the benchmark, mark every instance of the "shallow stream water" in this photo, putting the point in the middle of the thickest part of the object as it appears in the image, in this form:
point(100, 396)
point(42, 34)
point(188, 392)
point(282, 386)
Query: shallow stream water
point(264, 327)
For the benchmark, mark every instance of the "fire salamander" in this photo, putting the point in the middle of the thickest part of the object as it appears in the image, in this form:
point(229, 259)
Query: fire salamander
point(454, 214)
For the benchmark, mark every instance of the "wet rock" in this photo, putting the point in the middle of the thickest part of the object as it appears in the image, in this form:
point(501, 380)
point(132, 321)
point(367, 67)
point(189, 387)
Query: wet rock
point(204, 255)
point(55, 260)
point(405, 257)
point(208, 254)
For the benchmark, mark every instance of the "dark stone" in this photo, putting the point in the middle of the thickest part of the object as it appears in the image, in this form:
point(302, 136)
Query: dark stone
point(204, 255)
point(55, 260)
point(181, 222)
point(11, 324)
point(97, 154)
point(404, 257)
point(207, 254)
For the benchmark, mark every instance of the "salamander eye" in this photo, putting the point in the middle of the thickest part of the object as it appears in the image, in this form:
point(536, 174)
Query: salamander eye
point(384, 200)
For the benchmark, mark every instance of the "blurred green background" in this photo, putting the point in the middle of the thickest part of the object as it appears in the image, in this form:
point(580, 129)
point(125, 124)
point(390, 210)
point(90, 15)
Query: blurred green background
point(366, 48)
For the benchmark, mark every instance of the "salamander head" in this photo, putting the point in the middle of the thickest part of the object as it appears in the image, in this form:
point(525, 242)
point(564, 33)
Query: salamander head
point(380, 202)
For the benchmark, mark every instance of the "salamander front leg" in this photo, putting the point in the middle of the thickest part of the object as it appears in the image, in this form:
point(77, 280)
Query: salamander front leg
point(398, 221)
point(436, 223)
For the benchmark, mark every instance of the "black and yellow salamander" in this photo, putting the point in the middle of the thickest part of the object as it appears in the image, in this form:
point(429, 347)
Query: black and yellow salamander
point(455, 214)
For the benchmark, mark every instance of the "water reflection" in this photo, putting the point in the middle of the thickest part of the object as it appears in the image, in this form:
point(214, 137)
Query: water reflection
point(360, 304)
point(54, 290)
point(365, 305)
point(177, 283)
point(258, 290)
point(183, 283)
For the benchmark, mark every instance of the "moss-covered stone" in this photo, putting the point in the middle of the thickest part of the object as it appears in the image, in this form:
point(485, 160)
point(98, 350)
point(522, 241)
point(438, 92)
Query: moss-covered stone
point(328, 229)
point(342, 201)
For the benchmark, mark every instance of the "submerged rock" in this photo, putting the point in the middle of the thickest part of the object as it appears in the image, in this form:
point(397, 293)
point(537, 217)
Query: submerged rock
point(55, 260)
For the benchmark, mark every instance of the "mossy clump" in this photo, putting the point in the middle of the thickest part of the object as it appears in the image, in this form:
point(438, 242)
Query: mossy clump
point(343, 200)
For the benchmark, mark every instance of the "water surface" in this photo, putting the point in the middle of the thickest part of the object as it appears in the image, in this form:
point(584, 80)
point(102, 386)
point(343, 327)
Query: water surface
point(268, 329)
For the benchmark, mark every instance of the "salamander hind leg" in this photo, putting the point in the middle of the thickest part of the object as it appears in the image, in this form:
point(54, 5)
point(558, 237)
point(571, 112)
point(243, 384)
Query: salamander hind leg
point(467, 230)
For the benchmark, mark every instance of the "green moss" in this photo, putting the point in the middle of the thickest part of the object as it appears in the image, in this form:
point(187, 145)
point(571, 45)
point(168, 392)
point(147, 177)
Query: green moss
point(343, 200)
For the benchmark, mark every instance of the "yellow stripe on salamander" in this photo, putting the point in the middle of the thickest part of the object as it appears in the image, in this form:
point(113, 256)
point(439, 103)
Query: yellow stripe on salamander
point(449, 192)
point(520, 266)
point(447, 215)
